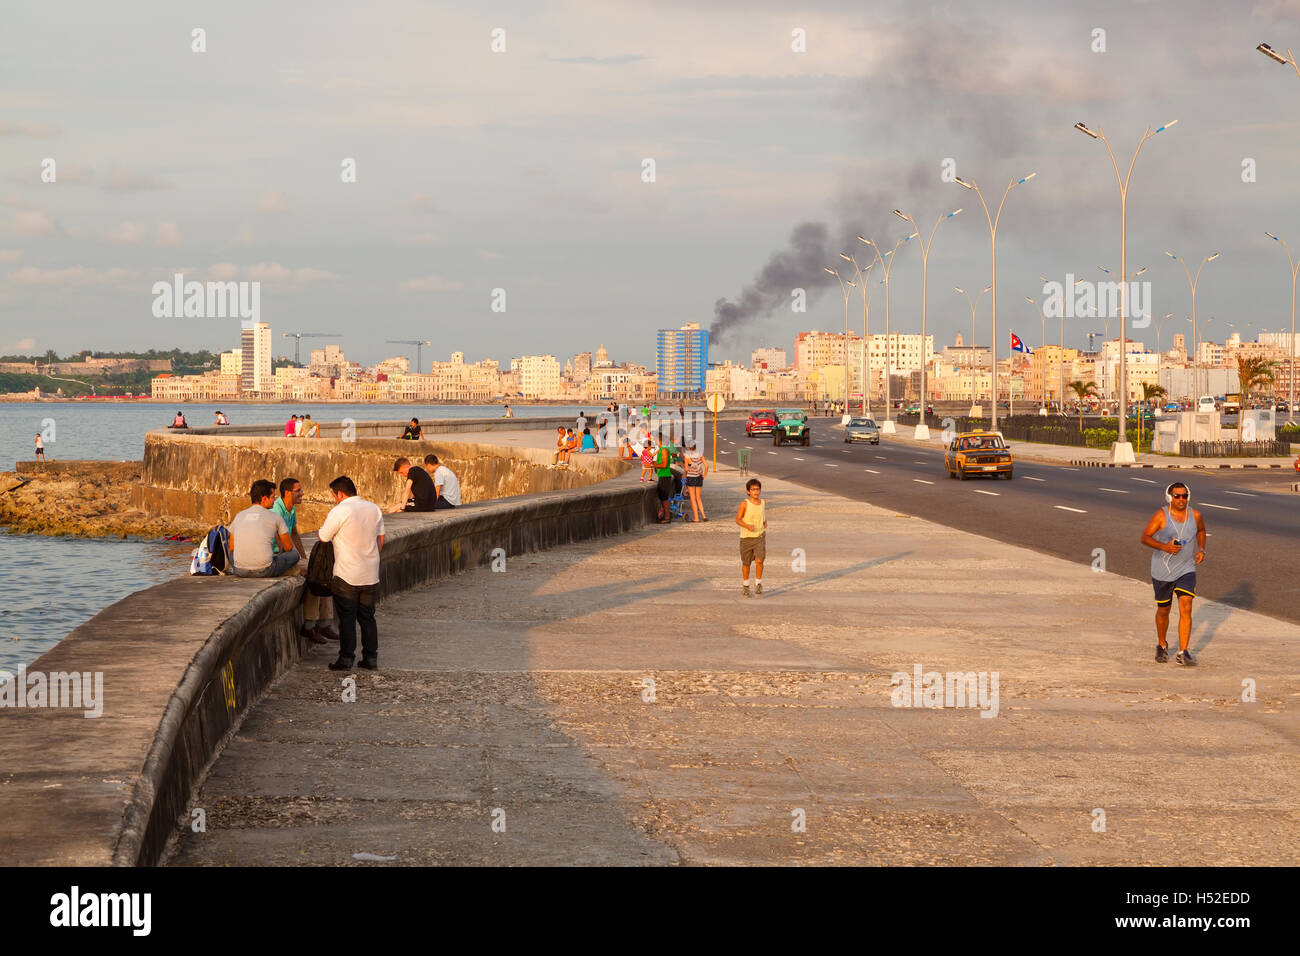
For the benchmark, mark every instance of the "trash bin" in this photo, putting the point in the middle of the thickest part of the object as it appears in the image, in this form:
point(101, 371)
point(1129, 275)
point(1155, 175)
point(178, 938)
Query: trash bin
point(742, 459)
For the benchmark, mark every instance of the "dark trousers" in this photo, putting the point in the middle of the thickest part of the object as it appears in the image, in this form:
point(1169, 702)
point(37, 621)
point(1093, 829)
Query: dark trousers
point(442, 504)
point(356, 604)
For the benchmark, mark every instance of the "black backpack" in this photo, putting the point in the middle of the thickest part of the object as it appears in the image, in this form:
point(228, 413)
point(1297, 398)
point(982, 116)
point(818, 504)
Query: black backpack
point(320, 568)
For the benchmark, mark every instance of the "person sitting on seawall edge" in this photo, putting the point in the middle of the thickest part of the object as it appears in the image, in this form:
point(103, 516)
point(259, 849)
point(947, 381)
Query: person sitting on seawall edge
point(413, 431)
point(588, 443)
point(179, 422)
point(310, 429)
point(291, 427)
point(254, 531)
point(417, 492)
point(509, 412)
point(446, 485)
point(222, 419)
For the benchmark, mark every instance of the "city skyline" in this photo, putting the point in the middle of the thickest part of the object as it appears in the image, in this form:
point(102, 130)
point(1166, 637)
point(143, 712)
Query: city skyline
point(524, 170)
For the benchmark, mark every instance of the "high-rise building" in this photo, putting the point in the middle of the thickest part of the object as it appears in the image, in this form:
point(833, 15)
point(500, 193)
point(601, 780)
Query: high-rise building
point(767, 357)
point(232, 362)
point(683, 359)
point(255, 355)
point(539, 376)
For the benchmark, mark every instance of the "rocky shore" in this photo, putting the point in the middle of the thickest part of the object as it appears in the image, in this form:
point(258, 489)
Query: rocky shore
point(90, 499)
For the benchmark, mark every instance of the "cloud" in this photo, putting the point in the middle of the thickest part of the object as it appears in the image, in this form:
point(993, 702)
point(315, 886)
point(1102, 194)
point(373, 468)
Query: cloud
point(168, 233)
point(273, 203)
point(245, 237)
point(32, 223)
point(421, 203)
point(430, 284)
point(21, 346)
point(489, 254)
point(31, 130)
point(598, 60)
point(274, 272)
point(10, 255)
point(125, 181)
point(223, 272)
point(69, 276)
point(128, 234)
point(426, 239)
point(77, 232)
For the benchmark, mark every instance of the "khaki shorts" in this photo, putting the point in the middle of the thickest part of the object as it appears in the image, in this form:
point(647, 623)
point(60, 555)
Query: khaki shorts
point(753, 549)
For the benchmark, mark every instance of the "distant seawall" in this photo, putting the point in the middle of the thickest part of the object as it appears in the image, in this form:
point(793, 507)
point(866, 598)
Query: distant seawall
point(205, 473)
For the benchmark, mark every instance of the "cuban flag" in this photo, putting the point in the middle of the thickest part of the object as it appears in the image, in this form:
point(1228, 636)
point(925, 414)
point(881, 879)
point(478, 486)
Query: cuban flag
point(1019, 346)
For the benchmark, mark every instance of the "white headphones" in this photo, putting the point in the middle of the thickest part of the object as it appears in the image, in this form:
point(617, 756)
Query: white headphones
point(1169, 498)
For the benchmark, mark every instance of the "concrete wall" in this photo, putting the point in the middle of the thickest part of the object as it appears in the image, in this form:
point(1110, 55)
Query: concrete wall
point(208, 476)
point(183, 661)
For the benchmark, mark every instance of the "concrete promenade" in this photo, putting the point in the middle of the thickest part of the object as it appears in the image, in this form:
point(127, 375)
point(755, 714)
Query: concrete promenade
point(618, 701)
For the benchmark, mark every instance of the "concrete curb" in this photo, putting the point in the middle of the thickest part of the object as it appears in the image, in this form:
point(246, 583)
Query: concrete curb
point(1111, 464)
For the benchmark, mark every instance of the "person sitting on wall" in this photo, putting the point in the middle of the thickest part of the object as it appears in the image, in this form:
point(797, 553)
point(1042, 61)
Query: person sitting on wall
point(559, 446)
point(413, 431)
point(625, 451)
point(254, 531)
point(222, 419)
point(588, 443)
point(417, 492)
point(446, 485)
point(310, 429)
point(509, 412)
point(179, 422)
point(291, 427)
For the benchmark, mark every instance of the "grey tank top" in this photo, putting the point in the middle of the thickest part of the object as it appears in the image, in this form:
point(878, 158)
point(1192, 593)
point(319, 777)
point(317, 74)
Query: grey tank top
point(1171, 567)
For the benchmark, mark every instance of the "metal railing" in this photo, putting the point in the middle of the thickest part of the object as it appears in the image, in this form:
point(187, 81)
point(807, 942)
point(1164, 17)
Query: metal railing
point(1234, 449)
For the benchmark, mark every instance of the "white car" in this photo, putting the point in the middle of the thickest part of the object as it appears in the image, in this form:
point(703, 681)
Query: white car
point(1205, 404)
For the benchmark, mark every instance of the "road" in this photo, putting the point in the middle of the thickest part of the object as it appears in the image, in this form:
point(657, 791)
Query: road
point(1251, 518)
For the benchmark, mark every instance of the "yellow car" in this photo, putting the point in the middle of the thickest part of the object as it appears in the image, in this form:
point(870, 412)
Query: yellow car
point(977, 453)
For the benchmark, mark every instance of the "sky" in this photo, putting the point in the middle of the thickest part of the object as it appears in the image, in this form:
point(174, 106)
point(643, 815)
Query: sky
point(524, 169)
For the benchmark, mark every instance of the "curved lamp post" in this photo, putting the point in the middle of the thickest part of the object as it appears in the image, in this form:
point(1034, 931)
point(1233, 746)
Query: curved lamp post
point(1193, 282)
point(887, 427)
point(844, 288)
point(974, 304)
point(1295, 271)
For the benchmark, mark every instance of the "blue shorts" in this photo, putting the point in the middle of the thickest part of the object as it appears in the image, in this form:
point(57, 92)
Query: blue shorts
point(1165, 590)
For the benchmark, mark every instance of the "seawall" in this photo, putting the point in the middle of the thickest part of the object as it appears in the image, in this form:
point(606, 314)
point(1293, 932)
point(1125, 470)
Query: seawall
point(183, 661)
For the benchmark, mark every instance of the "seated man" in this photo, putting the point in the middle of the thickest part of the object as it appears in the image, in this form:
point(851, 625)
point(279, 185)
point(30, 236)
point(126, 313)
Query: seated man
point(254, 531)
point(417, 493)
point(570, 444)
point(413, 431)
point(559, 446)
point(446, 486)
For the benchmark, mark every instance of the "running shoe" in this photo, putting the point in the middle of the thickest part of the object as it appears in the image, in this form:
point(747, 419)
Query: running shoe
point(1162, 654)
point(745, 590)
point(758, 588)
point(1185, 658)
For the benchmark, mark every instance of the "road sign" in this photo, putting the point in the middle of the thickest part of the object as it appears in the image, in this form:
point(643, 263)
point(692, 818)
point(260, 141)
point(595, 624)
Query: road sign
point(716, 403)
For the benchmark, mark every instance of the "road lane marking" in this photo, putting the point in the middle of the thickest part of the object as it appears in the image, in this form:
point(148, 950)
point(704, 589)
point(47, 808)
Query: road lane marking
point(771, 453)
point(995, 494)
point(830, 464)
point(872, 470)
point(1241, 493)
point(915, 462)
point(1148, 481)
point(923, 481)
point(1032, 478)
point(882, 458)
point(1116, 490)
point(1078, 511)
point(796, 459)
point(1069, 469)
point(1206, 504)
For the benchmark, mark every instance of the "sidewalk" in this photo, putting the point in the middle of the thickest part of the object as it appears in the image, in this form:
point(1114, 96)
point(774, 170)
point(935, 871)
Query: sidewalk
point(1093, 457)
point(619, 702)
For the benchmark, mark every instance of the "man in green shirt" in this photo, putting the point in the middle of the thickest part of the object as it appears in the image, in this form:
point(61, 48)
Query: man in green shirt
point(663, 462)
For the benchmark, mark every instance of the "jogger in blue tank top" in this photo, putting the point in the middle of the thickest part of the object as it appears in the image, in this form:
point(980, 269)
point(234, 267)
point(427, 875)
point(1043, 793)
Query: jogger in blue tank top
point(1176, 533)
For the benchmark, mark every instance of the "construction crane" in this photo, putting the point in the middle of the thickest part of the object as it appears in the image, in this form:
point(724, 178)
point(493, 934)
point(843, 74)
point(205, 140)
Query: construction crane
point(299, 336)
point(419, 362)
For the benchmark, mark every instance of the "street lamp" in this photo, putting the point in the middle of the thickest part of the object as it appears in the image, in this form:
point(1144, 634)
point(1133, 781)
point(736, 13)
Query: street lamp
point(887, 427)
point(974, 304)
point(993, 221)
point(1295, 271)
point(863, 278)
point(1122, 451)
point(1276, 57)
point(1193, 282)
point(1042, 346)
point(922, 432)
point(844, 288)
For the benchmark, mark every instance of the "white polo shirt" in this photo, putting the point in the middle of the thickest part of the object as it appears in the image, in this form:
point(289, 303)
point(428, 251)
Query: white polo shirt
point(354, 526)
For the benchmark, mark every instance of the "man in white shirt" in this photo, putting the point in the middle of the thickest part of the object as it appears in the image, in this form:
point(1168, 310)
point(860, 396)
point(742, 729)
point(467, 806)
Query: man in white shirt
point(356, 527)
point(446, 486)
point(253, 534)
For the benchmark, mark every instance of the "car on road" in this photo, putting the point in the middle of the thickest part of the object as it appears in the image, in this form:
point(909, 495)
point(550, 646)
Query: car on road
point(862, 429)
point(915, 409)
point(1172, 407)
point(1206, 404)
point(978, 453)
point(761, 422)
point(791, 426)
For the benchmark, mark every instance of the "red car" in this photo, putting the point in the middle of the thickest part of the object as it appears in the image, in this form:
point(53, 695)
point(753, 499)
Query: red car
point(761, 422)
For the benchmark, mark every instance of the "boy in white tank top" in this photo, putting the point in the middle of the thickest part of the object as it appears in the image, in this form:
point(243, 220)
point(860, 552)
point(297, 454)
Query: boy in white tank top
point(752, 518)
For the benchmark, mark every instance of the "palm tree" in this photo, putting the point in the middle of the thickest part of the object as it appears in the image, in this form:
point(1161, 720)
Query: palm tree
point(1149, 391)
point(1253, 371)
point(1082, 390)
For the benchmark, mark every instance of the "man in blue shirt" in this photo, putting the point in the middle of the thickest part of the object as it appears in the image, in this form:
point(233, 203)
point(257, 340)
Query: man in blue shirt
point(318, 612)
